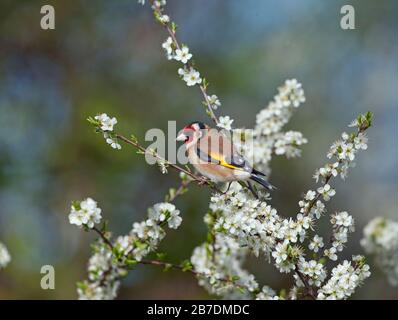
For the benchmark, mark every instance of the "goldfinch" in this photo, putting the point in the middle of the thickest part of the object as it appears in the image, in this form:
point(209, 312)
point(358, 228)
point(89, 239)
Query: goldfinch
point(213, 154)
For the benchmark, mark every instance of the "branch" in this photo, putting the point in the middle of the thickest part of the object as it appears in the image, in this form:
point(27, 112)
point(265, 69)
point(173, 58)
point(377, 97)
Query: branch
point(184, 269)
point(170, 28)
point(200, 180)
point(103, 237)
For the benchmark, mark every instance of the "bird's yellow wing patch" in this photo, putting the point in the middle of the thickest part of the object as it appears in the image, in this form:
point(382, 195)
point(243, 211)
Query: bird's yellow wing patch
point(222, 162)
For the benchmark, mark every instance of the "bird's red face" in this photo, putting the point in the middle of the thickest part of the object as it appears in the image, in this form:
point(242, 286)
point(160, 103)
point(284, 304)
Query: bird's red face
point(186, 134)
point(190, 132)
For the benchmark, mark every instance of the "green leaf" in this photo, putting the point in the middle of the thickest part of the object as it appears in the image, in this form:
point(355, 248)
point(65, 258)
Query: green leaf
point(81, 285)
point(205, 83)
point(93, 121)
point(167, 267)
point(161, 255)
point(133, 138)
point(173, 27)
point(76, 205)
point(235, 278)
point(186, 265)
point(369, 117)
point(104, 227)
point(130, 262)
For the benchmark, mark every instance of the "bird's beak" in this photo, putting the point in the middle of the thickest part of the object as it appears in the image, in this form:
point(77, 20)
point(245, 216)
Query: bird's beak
point(181, 137)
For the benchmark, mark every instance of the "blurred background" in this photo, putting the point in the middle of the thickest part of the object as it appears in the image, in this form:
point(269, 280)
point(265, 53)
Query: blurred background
point(105, 56)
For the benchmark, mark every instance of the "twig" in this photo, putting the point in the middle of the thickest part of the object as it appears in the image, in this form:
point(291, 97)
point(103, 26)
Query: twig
point(159, 263)
point(196, 273)
point(203, 87)
point(181, 189)
point(103, 237)
point(199, 180)
point(327, 179)
point(309, 289)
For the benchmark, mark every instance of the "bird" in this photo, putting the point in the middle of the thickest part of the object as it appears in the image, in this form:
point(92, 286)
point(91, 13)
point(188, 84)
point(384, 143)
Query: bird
point(213, 155)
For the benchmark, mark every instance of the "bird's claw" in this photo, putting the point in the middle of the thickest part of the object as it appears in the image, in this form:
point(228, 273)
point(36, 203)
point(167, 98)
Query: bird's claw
point(203, 181)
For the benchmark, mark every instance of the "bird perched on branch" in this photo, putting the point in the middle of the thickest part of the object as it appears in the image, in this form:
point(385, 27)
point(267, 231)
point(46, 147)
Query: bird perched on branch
point(213, 154)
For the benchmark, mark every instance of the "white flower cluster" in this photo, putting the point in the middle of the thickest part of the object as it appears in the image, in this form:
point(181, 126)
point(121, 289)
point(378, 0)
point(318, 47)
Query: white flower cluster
point(279, 111)
point(313, 270)
point(157, 3)
point(225, 123)
point(288, 144)
point(380, 238)
point(345, 278)
point(342, 224)
point(267, 293)
point(316, 243)
point(85, 213)
point(190, 76)
point(162, 165)
point(214, 102)
point(182, 55)
point(344, 150)
point(267, 135)
point(107, 266)
point(94, 291)
point(5, 257)
point(220, 267)
point(255, 225)
point(103, 276)
point(238, 222)
point(105, 124)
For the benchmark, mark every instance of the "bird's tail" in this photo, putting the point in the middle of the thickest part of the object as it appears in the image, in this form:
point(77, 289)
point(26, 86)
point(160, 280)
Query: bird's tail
point(256, 176)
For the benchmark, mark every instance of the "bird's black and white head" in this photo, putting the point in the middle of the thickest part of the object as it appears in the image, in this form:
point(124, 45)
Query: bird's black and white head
point(192, 132)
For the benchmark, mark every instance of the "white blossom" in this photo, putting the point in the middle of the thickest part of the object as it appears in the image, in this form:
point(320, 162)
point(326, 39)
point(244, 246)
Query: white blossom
point(106, 123)
point(342, 219)
point(225, 123)
point(267, 294)
point(5, 257)
point(310, 195)
point(158, 4)
point(315, 271)
point(220, 261)
point(96, 291)
point(380, 238)
point(164, 18)
point(168, 46)
point(348, 151)
point(281, 254)
point(288, 144)
point(345, 278)
point(112, 141)
point(326, 191)
point(190, 76)
point(293, 93)
point(318, 209)
point(329, 170)
point(361, 141)
point(331, 253)
point(162, 165)
point(124, 245)
point(316, 243)
point(214, 101)
point(183, 55)
point(86, 213)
